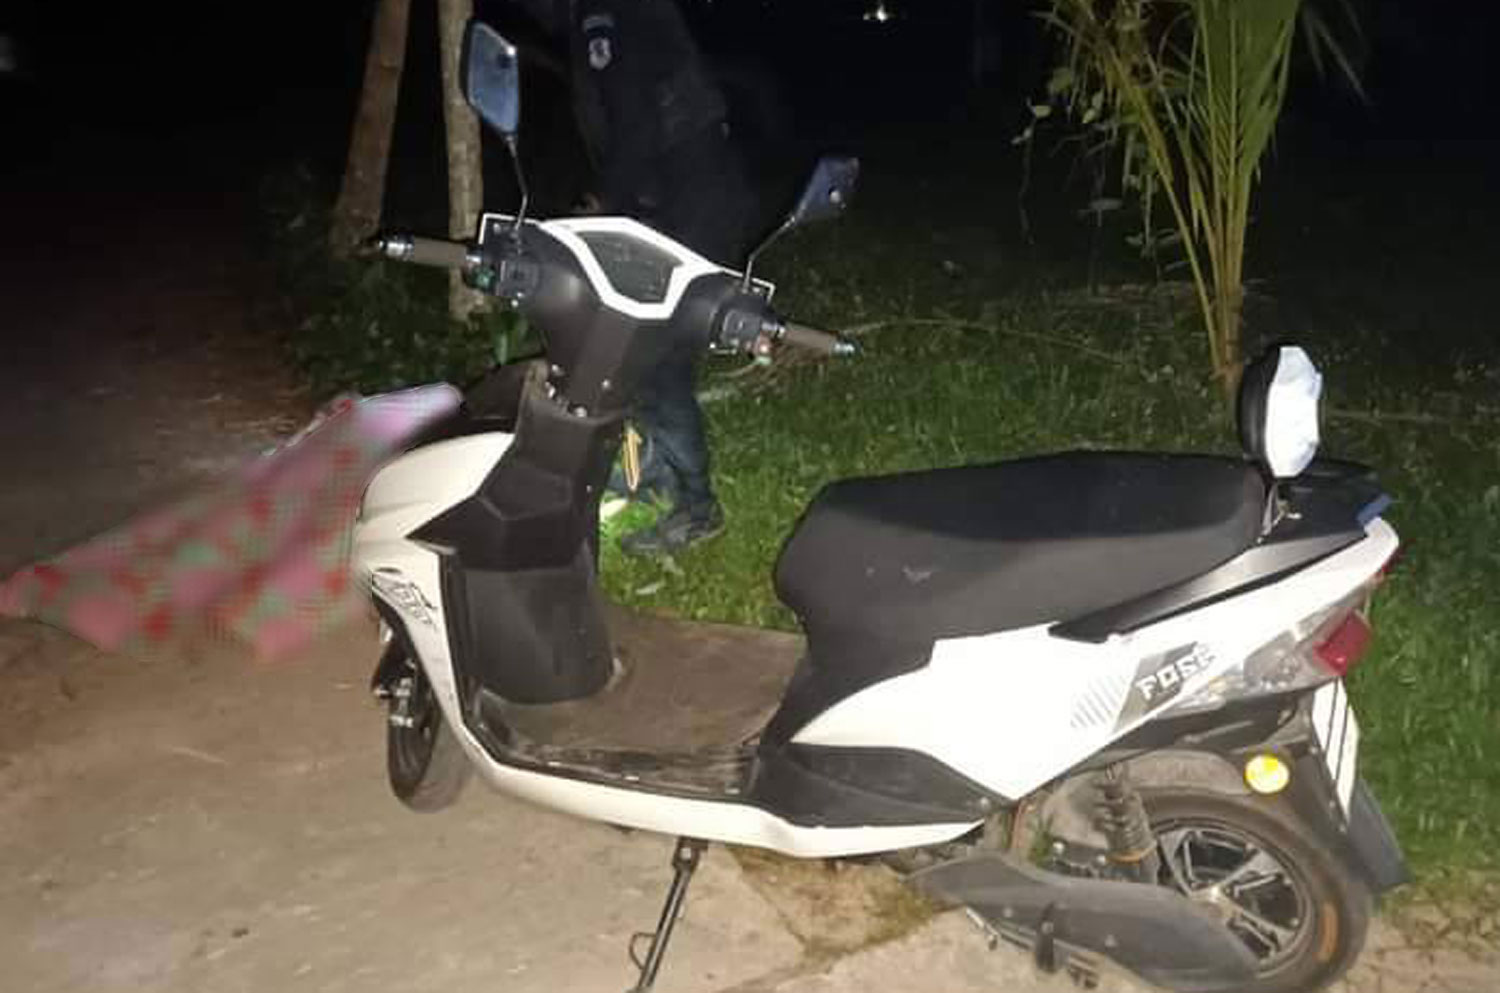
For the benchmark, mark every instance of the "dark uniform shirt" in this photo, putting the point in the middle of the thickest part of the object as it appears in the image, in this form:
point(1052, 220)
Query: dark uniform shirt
point(642, 93)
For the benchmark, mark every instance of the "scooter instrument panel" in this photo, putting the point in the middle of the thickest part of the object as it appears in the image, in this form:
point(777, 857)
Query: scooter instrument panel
point(635, 268)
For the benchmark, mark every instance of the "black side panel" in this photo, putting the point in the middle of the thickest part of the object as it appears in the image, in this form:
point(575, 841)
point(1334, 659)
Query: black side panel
point(539, 504)
point(1257, 567)
point(854, 787)
point(538, 635)
point(530, 624)
point(1224, 730)
point(1326, 510)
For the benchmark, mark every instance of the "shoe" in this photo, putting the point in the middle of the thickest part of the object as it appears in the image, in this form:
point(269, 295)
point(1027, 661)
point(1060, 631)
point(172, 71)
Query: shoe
point(675, 531)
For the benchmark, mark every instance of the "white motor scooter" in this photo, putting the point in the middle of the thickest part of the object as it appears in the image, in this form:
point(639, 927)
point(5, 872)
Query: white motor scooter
point(1094, 697)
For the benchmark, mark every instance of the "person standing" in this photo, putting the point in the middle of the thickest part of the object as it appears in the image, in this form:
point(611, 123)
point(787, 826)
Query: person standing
point(656, 127)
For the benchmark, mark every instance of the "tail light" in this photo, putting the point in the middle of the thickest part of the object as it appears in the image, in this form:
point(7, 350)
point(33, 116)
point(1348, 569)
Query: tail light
point(1345, 645)
point(1327, 643)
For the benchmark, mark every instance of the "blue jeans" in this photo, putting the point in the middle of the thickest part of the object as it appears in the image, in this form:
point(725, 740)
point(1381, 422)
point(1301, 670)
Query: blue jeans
point(668, 413)
point(711, 209)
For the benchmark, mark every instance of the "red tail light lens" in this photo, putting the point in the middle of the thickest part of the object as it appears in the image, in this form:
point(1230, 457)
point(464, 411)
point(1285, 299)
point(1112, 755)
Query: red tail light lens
point(1346, 644)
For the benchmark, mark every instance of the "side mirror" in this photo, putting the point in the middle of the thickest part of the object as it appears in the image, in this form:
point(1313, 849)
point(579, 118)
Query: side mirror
point(491, 71)
point(492, 78)
point(828, 193)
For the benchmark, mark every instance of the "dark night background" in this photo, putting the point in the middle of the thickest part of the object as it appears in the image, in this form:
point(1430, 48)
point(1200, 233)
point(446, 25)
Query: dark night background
point(105, 89)
point(116, 107)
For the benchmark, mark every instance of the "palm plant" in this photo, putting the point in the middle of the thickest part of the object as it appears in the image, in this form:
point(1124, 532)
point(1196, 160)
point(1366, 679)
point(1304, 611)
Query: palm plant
point(1190, 91)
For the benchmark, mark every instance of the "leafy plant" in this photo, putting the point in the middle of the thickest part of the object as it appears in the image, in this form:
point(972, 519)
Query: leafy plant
point(1189, 92)
point(366, 324)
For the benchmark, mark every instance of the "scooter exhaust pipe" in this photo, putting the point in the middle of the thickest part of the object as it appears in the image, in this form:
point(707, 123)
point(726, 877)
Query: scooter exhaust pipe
point(1152, 932)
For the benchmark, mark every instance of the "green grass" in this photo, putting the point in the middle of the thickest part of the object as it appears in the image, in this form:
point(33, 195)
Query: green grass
point(365, 324)
point(1066, 371)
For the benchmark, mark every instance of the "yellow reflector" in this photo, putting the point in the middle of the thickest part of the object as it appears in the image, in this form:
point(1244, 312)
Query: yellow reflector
point(1267, 774)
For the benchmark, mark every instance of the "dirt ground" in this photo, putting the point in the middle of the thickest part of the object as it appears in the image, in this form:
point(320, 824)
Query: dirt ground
point(206, 824)
point(131, 363)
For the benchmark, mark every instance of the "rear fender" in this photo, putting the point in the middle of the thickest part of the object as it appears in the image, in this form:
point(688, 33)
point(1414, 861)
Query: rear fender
point(1353, 827)
point(1362, 838)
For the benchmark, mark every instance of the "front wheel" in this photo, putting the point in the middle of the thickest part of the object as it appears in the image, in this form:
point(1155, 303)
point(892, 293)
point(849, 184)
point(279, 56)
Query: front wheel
point(1302, 915)
point(426, 765)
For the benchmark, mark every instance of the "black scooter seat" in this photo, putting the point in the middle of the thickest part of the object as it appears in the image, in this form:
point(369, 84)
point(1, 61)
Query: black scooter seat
point(947, 553)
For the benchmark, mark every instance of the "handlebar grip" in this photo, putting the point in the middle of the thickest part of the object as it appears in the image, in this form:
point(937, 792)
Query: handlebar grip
point(423, 251)
point(436, 252)
point(813, 340)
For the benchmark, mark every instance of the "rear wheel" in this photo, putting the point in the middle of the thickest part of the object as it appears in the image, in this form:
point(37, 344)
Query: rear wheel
point(426, 764)
point(1302, 915)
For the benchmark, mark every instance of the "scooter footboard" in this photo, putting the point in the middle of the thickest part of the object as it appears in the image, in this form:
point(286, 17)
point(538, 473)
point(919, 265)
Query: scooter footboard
point(1153, 932)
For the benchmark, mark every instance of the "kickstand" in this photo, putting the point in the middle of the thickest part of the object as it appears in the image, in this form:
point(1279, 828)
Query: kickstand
point(684, 861)
point(1045, 952)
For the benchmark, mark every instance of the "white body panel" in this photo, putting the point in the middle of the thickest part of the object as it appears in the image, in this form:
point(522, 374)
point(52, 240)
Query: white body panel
point(403, 496)
point(418, 486)
point(1338, 739)
point(1011, 710)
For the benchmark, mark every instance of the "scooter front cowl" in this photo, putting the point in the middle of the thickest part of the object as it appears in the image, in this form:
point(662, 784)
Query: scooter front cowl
point(418, 486)
point(1150, 931)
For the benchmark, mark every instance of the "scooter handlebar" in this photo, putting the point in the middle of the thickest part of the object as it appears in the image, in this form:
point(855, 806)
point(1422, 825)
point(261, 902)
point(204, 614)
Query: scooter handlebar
point(422, 251)
point(813, 340)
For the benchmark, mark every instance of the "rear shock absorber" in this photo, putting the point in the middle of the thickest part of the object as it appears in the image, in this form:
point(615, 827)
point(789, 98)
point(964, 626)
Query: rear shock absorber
point(1122, 818)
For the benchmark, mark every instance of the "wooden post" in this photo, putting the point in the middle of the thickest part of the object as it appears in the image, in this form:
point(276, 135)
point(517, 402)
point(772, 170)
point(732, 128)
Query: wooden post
point(465, 176)
point(356, 215)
